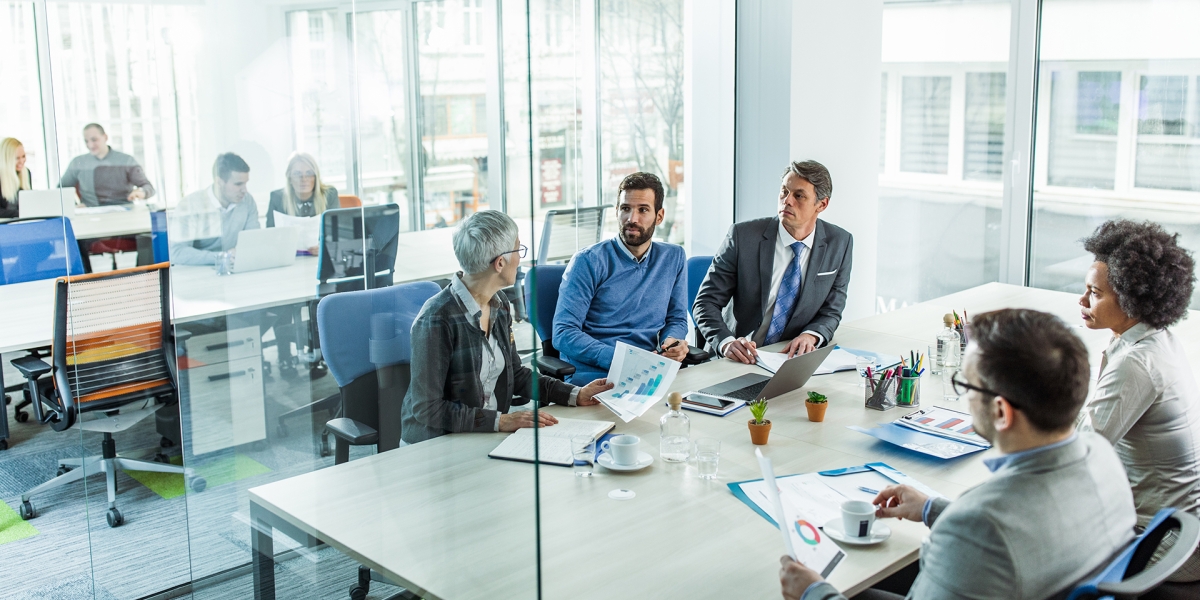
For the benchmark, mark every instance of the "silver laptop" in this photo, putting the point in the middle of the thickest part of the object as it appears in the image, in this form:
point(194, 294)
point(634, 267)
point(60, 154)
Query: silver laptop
point(269, 248)
point(791, 376)
point(58, 202)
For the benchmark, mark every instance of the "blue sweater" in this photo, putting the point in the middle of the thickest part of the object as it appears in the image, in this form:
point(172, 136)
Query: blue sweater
point(608, 297)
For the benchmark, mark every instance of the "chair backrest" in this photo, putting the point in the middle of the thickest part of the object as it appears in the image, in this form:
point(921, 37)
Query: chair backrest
point(566, 231)
point(363, 330)
point(38, 248)
point(697, 268)
point(1127, 576)
point(352, 238)
point(112, 339)
point(541, 291)
point(349, 202)
point(158, 236)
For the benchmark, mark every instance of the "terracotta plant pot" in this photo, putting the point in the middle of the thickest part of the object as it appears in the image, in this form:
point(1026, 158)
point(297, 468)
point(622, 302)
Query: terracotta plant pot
point(816, 411)
point(759, 433)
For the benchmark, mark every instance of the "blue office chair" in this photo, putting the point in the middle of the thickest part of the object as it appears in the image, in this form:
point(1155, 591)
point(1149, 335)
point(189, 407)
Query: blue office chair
point(38, 248)
point(541, 290)
point(366, 337)
point(697, 268)
point(1127, 576)
point(158, 236)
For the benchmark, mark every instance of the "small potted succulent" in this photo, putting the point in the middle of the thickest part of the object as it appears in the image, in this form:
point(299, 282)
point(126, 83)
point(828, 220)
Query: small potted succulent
point(816, 403)
point(760, 427)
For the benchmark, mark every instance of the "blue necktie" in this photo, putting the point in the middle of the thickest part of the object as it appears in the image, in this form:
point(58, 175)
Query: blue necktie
point(785, 300)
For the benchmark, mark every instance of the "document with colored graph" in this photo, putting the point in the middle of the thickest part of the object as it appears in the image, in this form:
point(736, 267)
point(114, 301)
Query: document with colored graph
point(946, 423)
point(639, 379)
point(802, 536)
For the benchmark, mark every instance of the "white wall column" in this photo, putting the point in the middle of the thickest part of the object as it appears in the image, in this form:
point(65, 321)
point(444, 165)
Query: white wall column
point(764, 70)
point(835, 85)
point(708, 122)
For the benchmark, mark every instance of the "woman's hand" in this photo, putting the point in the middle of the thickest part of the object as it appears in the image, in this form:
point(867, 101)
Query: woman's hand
point(524, 418)
point(587, 392)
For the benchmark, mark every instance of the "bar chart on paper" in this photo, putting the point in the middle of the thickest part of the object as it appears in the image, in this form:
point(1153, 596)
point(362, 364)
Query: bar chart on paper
point(639, 379)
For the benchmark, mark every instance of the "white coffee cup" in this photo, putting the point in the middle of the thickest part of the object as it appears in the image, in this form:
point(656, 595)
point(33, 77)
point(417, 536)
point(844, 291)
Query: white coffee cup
point(623, 449)
point(857, 518)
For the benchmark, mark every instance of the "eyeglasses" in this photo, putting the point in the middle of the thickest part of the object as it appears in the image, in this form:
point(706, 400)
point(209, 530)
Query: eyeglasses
point(961, 388)
point(521, 251)
point(304, 175)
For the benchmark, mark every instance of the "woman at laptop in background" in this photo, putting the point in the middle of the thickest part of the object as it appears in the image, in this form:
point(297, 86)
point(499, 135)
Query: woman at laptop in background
point(1145, 400)
point(14, 177)
point(303, 194)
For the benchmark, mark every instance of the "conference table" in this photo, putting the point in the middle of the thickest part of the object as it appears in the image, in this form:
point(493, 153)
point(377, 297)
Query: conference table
point(443, 520)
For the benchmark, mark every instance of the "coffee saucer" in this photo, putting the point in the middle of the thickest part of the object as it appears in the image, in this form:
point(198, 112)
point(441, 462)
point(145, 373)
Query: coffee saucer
point(879, 532)
point(644, 460)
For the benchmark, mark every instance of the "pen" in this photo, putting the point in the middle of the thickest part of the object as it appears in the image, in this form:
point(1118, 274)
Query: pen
point(668, 347)
point(868, 490)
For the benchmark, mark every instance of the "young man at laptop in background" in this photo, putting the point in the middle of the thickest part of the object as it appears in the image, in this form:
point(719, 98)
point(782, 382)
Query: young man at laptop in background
point(786, 275)
point(207, 221)
point(628, 289)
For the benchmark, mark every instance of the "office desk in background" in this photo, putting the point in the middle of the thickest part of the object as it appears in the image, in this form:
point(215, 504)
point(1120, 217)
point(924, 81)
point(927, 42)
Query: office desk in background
point(89, 224)
point(444, 520)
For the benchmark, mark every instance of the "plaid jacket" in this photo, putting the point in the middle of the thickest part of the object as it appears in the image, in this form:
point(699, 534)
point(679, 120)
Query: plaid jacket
point(445, 395)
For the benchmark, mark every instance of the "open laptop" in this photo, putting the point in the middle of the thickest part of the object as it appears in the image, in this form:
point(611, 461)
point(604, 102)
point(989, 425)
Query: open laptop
point(58, 202)
point(791, 376)
point(259, 249)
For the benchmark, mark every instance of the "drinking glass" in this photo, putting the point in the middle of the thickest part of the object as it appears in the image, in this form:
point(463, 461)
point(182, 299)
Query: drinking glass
point(583, 451)
point(863, 363)
point(708, 454)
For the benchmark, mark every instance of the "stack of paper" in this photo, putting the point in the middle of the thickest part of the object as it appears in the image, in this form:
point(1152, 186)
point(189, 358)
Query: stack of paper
point(307, 227)
point(939, 432)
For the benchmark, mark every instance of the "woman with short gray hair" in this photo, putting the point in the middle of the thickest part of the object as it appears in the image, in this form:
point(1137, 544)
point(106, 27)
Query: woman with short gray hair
point(466, 373)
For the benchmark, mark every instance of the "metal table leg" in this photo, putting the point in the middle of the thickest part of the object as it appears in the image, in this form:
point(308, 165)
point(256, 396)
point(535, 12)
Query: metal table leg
point(263, 553)
point(3, 411)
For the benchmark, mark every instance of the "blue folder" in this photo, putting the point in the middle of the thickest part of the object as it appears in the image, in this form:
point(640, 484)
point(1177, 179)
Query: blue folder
point(919, 441)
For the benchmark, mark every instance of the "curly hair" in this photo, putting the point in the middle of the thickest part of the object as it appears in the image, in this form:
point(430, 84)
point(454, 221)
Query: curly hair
point(1151, 273)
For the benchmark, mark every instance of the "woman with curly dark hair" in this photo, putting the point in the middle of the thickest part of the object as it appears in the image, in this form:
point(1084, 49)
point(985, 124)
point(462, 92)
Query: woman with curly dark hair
point(1145, 401)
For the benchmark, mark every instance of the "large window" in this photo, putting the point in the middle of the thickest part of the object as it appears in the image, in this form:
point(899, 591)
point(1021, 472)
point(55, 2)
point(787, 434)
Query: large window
point(21, 105)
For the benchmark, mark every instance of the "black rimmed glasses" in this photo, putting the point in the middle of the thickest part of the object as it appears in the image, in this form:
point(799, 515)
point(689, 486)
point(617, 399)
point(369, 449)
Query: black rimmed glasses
point(521, 252)
point(961, 388)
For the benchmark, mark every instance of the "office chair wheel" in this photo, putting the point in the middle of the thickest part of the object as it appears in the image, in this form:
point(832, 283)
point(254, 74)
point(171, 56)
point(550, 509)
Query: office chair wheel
point(287, 370)
point(197, 484)
point(22, 416)
point(165, 443)
point(318, 370)
point(27, 511)
point(114, 518)
point(159, 457)
point(3, 444)
point(358, 593)
point(281, 430)
point(325, 449)
point(63, 470)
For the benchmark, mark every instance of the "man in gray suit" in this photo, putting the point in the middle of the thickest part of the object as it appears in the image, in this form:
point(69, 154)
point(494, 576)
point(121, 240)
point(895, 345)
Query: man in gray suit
point(786, 275)
point(1057, 505)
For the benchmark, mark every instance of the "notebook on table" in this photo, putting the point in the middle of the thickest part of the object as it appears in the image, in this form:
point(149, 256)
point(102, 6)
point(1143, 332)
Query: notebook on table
point(554, 442)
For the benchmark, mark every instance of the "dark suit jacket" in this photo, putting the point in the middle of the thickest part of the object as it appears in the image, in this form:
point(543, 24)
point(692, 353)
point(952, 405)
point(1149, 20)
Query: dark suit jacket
point(741, 272)
point(306, 209)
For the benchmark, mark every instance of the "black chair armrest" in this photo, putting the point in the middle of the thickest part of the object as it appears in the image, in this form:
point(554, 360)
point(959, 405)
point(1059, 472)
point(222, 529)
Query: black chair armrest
point(352, 432)
point(31, 367)
point(696, 356)
point(553, 367)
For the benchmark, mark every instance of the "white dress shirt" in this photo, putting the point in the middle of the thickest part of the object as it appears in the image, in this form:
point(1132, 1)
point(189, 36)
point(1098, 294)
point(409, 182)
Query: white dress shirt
point(1147, 404)
point(783, 258)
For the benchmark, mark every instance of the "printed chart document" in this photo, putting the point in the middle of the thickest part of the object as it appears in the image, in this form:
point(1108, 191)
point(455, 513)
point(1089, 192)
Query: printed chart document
point(307, 228)
point(944, 422)
point(640, 379)
point(554, 442)
point(839, 359)
point(800, 526)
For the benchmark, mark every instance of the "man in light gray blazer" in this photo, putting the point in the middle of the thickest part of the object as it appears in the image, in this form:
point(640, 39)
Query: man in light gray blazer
point(786, 275)
point(1057, 506)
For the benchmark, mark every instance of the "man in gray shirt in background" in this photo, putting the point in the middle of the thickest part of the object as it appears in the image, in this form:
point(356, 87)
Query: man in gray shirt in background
point(207, 221)
point(105, 176)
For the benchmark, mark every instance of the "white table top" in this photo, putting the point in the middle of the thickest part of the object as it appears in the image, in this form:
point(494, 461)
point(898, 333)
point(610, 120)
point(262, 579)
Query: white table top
point(133, 221)
point(443, 519)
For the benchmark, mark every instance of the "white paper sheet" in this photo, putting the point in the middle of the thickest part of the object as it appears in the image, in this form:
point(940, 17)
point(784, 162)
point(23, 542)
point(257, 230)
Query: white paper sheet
point(799, 525)
point(308, 228)
point(640, 378)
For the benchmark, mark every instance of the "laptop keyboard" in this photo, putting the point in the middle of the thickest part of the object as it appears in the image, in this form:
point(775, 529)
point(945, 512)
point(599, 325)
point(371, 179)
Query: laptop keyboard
point(749, 392)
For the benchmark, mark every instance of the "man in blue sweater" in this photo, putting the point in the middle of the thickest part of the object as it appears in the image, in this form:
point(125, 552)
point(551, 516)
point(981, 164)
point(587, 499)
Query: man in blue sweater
point(627, 289)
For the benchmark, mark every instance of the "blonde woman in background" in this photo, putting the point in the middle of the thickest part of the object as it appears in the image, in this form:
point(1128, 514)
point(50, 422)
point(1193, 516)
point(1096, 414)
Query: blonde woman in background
point(304, 194)
point(14, 177)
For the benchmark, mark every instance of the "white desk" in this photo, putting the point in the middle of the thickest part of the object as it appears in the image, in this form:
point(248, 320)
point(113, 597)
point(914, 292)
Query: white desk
point(111, 224)
point(442, 519)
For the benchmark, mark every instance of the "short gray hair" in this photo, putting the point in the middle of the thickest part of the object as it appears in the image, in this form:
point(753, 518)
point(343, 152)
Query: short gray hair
point(814, 173)
point(481, 237)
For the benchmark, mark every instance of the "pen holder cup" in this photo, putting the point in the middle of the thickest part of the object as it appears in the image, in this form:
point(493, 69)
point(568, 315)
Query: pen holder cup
point(880, 393)
point(909, 392)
